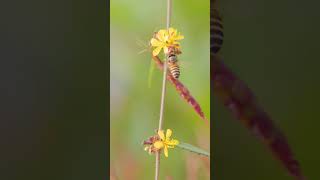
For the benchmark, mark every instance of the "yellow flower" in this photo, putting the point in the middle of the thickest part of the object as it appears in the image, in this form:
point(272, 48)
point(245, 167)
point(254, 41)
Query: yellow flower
point(164, 39)
point(165, 142)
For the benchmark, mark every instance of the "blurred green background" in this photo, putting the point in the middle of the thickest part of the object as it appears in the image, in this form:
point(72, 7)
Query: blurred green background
point(135, 107)
point(273, 46)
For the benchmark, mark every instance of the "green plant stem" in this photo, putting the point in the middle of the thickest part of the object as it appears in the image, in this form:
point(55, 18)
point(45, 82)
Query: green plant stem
point(169, 9)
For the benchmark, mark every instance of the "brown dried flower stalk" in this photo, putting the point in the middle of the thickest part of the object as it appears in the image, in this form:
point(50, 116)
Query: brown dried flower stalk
point(182, 90)
point(239, 99)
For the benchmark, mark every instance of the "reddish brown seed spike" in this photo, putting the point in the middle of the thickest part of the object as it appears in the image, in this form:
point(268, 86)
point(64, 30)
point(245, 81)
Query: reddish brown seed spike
point(239, 99)
point(182, 90)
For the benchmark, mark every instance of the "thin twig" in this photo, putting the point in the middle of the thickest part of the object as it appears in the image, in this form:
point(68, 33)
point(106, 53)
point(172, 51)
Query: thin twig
point(163, 92)
point(157, 165)
point(169, 8)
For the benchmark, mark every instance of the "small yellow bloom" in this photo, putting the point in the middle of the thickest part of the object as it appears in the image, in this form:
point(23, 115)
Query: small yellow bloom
point(165, 39)
point(165, 142)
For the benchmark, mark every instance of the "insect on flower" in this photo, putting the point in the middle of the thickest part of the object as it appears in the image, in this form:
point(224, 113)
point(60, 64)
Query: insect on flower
point(164, 39)
point(173, 62)
point(168, 40)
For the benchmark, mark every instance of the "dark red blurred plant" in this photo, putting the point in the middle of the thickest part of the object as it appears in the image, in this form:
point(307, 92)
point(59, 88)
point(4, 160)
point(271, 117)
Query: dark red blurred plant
point(239, 99)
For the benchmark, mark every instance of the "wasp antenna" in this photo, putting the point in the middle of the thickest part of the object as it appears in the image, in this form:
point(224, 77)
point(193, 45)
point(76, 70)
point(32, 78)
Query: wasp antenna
point(142, 51)
point(140, 42)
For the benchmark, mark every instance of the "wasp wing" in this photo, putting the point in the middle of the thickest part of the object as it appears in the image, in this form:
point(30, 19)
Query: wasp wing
point(150, 75)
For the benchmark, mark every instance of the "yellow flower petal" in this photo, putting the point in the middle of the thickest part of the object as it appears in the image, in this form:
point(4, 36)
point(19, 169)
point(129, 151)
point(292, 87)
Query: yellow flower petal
point(165, 150)
point(172, 32)
point(161, 135)
point(156, 51)
point(165, 38)
point(168, 134)
point(158, 144)
point(179, 37)
point(162, 34)
point(175, 42)
point(155, 42)
point(173, 142)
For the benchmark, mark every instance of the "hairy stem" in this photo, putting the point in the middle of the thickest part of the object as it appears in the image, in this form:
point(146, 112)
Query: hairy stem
point(169, 8)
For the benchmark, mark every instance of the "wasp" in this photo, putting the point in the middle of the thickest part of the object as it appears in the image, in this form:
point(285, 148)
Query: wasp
point(172, 60)
point(216, 31)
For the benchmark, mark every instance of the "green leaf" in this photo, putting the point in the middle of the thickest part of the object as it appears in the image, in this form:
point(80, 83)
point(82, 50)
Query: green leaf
point(193, 149)
point(151, 69)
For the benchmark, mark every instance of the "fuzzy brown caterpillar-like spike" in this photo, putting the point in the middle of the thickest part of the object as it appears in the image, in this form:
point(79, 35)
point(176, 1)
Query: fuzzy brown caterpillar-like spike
point(241, 102)
point(182, 90)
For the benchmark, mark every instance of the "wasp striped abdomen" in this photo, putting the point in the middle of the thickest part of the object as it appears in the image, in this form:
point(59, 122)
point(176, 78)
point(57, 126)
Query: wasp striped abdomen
point(174, 69)
point(173, 66)
point(216, 32)
point(173, 63)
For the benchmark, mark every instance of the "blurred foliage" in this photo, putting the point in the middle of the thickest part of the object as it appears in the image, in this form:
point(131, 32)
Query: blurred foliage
point(272, 45)
point(135, 107)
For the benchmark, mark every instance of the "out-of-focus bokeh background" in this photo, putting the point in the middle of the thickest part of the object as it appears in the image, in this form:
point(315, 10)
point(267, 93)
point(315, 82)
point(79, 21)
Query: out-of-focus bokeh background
point(53, 90)
point(135, 107)
point(273, 46)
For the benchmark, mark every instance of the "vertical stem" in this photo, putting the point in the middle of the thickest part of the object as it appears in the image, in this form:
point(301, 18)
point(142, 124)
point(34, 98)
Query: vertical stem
point(169, 9)
point(164, 80)
point(157, 165)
